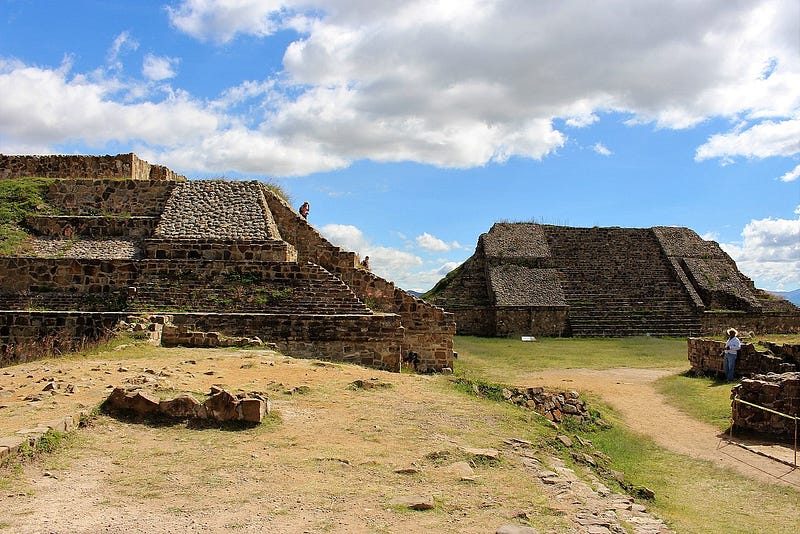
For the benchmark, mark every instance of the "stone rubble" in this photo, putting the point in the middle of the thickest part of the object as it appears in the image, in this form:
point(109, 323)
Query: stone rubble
point(221, 406)
point(594, 509)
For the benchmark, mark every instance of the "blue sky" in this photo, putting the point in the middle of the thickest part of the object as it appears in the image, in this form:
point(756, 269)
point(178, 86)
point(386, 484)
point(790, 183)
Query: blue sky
point(412, 126)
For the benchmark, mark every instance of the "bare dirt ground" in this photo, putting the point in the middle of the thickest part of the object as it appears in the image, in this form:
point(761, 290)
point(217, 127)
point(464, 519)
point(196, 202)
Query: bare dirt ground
point(330, 458)
point(325, 460)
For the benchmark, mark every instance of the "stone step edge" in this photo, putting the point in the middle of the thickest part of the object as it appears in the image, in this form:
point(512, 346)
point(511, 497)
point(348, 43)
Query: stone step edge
point(11, 446)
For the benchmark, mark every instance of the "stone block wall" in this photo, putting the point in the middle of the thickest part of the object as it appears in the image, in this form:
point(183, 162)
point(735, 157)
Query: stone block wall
point(715, 323)
point(31, 334)
point(705, 357)
point(21, 274)
point(474, 321)
point(778, 392)
point(545, 321)
point(371, 340)
point(217, 249)
point(110, 197)
point(91, 226)
point(121, 166)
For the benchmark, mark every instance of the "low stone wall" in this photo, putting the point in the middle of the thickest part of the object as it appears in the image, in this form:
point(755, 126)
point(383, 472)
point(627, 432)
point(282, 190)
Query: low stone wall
point(705, 357)
point(778, 392)
point(26, 335)
point(125, 166)
point(715, 323)
point(66, 274)
point(210, 249)
point(91, 226)
point(370, 340)
point(474, 321)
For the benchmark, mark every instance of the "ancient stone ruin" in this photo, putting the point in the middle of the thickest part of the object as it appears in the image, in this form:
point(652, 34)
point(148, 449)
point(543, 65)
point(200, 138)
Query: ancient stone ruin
point(220, 406)
point(777, 392)
point(545, 280)
point(705, 357)
point(206, 261)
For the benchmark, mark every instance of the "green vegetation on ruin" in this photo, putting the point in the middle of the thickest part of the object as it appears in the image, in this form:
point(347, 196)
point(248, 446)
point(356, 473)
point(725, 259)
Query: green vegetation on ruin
point(19, 197)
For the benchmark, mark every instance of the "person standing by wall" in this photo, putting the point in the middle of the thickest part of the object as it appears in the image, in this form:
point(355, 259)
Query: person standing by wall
point(732, 347)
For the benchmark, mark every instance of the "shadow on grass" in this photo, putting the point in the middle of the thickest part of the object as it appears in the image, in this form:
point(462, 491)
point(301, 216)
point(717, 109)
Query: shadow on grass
point(716, 380)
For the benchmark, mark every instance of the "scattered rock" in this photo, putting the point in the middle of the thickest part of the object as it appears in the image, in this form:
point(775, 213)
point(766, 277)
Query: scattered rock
point(515, 529)
point(462, 470)
point(221, 406)
point(407, 471)
point(424, 502)
point(565, 440)
point(368, 384)
point(491, 454)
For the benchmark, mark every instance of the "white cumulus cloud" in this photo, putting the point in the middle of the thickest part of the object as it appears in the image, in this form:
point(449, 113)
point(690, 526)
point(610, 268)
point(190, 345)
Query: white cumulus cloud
point(769, 138)
point(601, 149)
point(769, 252)
point(792, 175)
point(433, 244)
point(451, 84)
point(157, 68)
point(395, 265)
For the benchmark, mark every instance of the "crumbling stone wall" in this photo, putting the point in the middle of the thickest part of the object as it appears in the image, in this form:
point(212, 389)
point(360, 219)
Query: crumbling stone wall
point(121, 166)
point(778, 392)
point(110, 197)
point(705, 357)
point(218, 249)
point(31, 334)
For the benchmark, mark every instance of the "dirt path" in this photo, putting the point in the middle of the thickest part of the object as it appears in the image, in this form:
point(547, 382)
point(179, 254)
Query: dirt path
point(633, 393)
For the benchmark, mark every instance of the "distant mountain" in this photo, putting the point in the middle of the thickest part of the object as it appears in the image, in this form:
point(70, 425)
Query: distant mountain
point(415, 293)
point(791, 296)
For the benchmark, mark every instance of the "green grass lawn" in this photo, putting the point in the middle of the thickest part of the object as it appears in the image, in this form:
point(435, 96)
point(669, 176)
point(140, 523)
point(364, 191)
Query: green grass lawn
point(703, 398)
point(505, 357)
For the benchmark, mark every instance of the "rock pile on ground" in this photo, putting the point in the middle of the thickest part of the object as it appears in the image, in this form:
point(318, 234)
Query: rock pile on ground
point(221, 406)
point(553, 405)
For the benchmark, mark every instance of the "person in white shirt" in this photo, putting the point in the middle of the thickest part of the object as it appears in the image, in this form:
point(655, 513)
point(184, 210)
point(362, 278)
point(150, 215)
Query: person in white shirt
point(732, 347)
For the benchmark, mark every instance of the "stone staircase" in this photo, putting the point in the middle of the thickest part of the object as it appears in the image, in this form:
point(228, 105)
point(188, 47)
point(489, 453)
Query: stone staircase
point(239, 287)
point(618, 282)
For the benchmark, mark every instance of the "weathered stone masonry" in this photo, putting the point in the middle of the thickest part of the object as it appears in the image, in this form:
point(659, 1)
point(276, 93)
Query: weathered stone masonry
point(545, 280)
point(218, 256)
